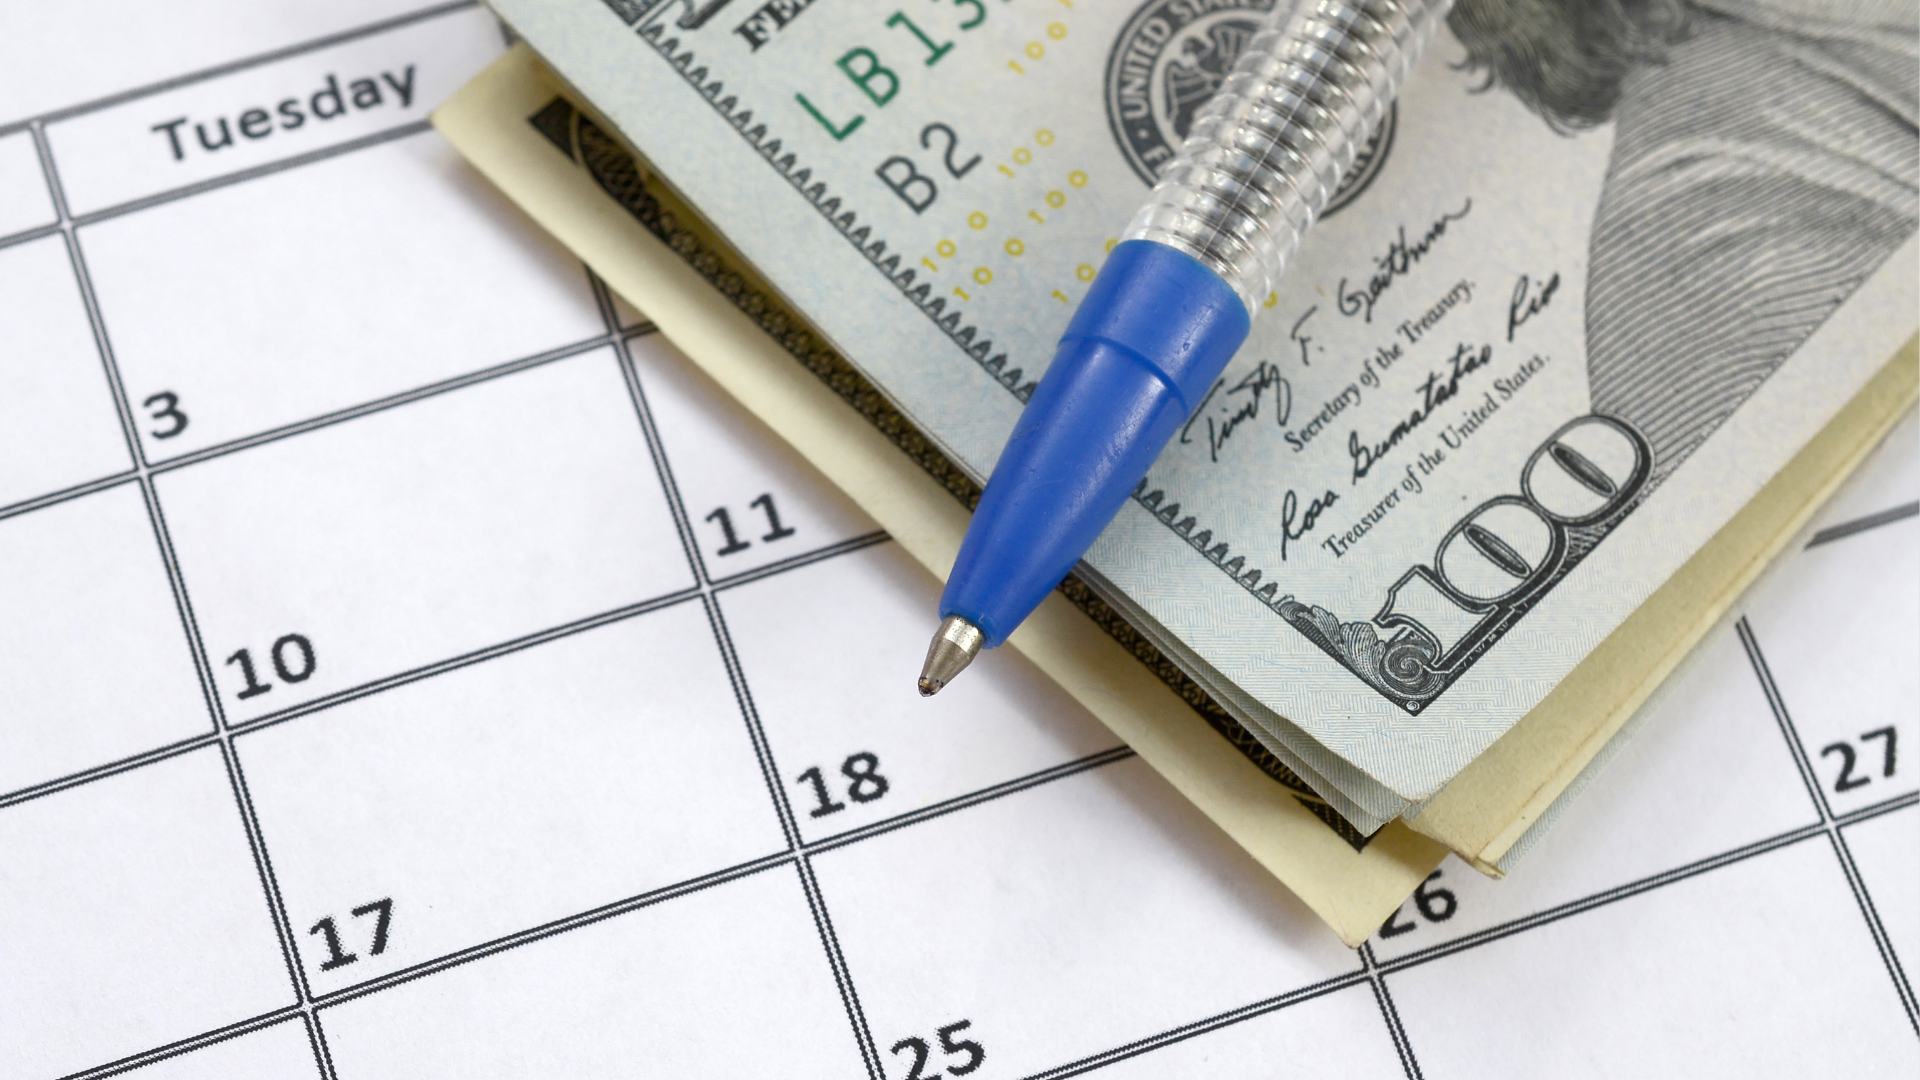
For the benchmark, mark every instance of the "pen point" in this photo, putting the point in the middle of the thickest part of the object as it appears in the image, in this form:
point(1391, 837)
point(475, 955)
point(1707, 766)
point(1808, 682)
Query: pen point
point(954, 646)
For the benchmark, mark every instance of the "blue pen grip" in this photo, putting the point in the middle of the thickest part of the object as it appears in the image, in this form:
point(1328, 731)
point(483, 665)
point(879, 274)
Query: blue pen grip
point(1153, 333)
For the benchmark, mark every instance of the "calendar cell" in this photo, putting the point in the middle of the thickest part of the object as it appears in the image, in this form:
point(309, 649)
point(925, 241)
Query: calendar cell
point(61, 429)
point(24, 201)
point(1708, 771)
point(714, 984)
point(1887, 479)
point(591, 769)
point(1883, 851)
point(368, 548)
point(262, 114)
point(324, 287)
point(626, 315)
point(1836, 628)
point(279, 1052)
point(115, 895)
point(82, 589)
point(151, 43)
point(749, 499)
point(853, 739)
point(1008, 916)
point(399, 677)
point(1337, 1036)
point(1762, 968)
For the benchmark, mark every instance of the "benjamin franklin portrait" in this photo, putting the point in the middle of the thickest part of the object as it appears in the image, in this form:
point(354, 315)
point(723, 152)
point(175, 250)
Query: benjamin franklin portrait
point(1763, 165)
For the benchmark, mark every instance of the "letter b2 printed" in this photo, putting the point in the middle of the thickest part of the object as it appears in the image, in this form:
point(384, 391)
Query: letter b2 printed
point(914, 187)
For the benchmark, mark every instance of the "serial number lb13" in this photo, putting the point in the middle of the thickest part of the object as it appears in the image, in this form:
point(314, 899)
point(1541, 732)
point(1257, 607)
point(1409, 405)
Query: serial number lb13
point(1495, 560)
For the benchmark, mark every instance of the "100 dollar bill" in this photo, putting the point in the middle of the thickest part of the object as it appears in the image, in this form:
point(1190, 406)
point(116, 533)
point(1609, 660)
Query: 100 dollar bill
point(1511, 385)
point(535, 140)
point(521, 128)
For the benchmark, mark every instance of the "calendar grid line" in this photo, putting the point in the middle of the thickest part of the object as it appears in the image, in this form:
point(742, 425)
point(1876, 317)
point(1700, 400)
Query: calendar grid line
point(317, 1042)
point(670, 891)
point(322, 420)
point(223, 736)
point(467, 659)
point(1862, 524)
point(842, 974)
point(689, 886)
point(153, 755)
point(790, 829)
point(249, 820)
point(1391, 1015)
point(380, 405)
point(109, 769)
point(1879, 809)
point(1864, 897)
point(756, 736)
point(1227, 1019)
point(179, 1047)
point(1750, 644)
point(1037, 778)
point(1592, 901)
point(643, 415)
point(794, 562)
point(76, 491)
point(63, 225)
point(1208, 1025)
point(552, 928)
point(263, 861)
point(763, 751)
point(255, 172)
point(123, 409)
point(1777, 703)
point(28, 236)
point(969, 800)
point(121, 97)
point(308, 1006)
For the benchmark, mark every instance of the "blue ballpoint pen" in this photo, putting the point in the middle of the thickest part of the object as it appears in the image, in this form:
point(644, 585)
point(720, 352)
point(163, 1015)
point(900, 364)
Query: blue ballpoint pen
point(1174, 301)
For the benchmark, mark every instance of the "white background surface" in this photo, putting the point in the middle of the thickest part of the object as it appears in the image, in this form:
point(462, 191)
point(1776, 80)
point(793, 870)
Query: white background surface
point(564, 738)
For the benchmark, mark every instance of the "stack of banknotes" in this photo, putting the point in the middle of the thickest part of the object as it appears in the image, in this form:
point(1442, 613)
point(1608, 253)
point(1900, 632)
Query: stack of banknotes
point(1611, 301)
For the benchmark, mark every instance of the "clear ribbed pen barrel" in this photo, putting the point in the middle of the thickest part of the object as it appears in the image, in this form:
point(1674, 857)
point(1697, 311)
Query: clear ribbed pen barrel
point(1266, 153)
point(1174, 302)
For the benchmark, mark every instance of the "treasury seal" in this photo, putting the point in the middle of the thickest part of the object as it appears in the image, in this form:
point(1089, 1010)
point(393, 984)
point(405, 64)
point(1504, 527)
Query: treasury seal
point(1170, 58)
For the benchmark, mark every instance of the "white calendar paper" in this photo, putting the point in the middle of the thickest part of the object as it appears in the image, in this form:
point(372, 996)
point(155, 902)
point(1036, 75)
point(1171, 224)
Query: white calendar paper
point(393, 684)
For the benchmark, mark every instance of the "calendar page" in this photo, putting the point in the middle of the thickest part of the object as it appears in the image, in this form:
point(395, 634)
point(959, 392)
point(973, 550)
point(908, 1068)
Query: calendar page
point(400, 678)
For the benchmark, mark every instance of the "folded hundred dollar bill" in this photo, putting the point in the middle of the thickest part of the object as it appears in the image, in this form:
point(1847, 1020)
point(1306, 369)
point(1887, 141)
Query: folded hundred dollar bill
point(1516, 380)
point(542, 146)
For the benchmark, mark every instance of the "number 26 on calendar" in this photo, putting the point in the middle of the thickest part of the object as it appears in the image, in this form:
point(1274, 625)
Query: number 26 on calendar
point(1436, 905)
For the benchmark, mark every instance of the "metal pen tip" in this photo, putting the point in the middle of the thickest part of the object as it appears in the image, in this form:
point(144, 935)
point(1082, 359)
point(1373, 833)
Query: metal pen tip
point(954, 646)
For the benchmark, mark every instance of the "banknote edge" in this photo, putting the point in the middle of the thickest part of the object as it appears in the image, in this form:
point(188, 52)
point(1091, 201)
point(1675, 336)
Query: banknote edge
point(704, 249)
point(1351, 890)
point(1804, 484)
